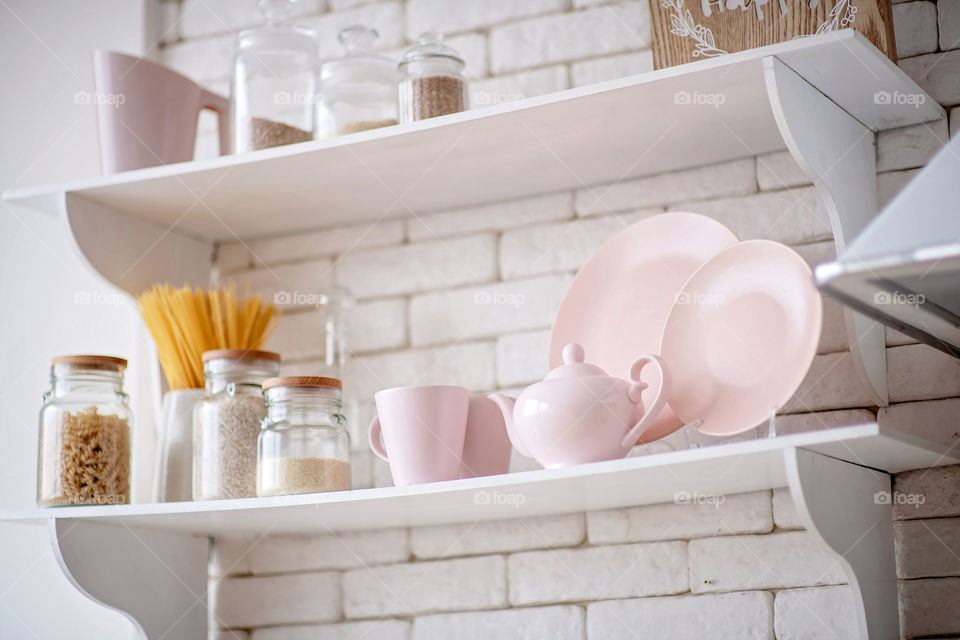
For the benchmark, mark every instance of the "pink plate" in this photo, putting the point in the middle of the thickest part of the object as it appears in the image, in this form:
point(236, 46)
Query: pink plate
point(741, 337)
point(617, 305)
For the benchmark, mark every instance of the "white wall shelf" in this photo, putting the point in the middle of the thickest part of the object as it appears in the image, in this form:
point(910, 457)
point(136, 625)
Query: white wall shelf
point(834, 476)
point(725, 469)
point(634, 126)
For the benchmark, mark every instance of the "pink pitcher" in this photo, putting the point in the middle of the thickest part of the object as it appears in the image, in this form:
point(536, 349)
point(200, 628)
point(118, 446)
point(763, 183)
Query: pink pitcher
point(147, 114)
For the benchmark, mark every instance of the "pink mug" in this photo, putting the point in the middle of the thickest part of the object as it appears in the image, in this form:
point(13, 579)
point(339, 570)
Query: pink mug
point(147, 114)
point(486, 445)
point(436, 433)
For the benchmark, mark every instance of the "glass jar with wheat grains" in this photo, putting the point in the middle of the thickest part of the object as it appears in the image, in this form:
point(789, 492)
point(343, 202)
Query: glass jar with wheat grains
point(304, 445)
point(226, 422)
point(85, 439)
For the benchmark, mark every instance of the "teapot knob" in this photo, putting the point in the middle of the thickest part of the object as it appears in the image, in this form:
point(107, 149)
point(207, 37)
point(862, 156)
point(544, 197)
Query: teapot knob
point(572, 353)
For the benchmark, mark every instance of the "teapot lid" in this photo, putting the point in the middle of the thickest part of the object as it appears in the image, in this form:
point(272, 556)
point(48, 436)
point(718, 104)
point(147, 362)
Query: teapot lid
point(573, 365)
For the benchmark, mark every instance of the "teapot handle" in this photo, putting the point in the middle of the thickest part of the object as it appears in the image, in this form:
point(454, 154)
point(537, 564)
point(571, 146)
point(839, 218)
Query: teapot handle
point(636, 386)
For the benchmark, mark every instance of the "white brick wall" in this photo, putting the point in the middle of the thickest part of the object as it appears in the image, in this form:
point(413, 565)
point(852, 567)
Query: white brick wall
point(759, 562)
point(745, 616)
point(493, 537)
point(596, 31)
point(744, 513)
point(598, 573)
point(262, 601)
point(370, 630)
point(443, 585)
point(416, 321)
point(819, 612)
point(419, 267)
point(535, 623)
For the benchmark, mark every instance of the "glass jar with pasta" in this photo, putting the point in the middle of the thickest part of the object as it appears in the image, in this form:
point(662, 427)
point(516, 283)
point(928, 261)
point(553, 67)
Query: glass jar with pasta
point(85, 439)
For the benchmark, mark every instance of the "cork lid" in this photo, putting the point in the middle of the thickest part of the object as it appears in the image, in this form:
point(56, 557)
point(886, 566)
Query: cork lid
point(240, 354)
point(302, 381)
point(92, 361)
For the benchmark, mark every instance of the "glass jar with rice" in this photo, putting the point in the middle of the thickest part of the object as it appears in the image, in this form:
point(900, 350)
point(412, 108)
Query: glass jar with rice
point(304, 446)
point(226, 422)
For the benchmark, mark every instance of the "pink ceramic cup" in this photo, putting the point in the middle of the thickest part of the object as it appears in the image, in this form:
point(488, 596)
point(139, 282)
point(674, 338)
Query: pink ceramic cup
point(423, 431)
point(486, 446)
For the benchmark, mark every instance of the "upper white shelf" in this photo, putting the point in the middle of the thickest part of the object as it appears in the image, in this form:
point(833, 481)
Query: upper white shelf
point(695, 114)
point(710, 471)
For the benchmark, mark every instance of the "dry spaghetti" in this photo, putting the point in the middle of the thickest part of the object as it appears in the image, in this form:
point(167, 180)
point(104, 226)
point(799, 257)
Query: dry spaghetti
point(185, 322)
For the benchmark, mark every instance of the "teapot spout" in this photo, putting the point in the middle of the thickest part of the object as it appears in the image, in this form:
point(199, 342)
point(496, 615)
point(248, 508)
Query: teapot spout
point(506, 408)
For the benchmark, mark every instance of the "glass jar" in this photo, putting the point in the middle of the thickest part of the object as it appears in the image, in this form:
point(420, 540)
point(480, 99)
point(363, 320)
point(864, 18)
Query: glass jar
point(304, 445)
point(431, 80)
point(226, 422)
point(275, 82)
point(85, 439)
point(359, 90)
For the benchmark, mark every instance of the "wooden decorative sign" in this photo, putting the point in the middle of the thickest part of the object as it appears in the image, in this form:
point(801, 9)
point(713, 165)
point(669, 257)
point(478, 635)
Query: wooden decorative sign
point(687, 30)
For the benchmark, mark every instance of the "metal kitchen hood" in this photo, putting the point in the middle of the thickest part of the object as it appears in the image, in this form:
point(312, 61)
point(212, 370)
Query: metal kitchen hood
point(904, 268)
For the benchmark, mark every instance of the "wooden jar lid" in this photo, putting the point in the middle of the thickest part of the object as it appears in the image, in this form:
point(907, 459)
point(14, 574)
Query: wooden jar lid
point(302, 381)
point(240, 354)
point(92, 361)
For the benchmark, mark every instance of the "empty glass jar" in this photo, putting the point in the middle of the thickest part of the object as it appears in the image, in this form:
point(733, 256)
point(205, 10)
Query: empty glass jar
point(359, 90)
point(85, 439)
point(304, 445)
point(431, 80)
point(275, 82)
point(226, 422)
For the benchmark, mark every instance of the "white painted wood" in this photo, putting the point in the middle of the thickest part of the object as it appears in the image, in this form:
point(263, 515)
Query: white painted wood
point(843, 505)
point(838, 153)
point(133, 253)
point(158, 580)
point(723, 469)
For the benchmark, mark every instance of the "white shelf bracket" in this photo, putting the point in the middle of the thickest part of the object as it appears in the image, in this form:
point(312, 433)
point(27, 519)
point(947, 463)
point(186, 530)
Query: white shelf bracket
point(838, 153)
point(848, 508)
point(132, 253)
point(157, 580)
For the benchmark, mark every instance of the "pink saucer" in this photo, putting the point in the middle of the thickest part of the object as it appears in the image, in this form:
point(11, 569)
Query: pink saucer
point(618, 304)
point(741, 337)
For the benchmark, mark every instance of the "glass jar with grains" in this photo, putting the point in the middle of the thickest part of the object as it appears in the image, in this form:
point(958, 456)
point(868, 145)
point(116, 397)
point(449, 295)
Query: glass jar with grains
point(275, 81)
point(304, 445)
point(85, 440)
point(359, 90)
point(226, 422)
point(431, 80)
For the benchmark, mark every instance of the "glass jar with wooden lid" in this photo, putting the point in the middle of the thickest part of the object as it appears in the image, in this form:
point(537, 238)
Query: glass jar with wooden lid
point(304, 444)
point(226, 422)
point(85, 439)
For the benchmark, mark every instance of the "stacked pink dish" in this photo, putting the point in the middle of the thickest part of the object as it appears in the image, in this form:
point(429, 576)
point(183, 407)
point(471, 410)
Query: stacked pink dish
point(735, 323)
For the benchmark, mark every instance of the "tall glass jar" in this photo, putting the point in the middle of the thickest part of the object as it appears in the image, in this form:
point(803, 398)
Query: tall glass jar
point(304, 444)
point(359, 90)
point(431, 80)
point(85, 439)
point(275, 82)
point(226, 422)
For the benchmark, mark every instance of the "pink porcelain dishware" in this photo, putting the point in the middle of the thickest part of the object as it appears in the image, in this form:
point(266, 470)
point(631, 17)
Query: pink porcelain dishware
point(440, 432)
point(486, 445)
point(579, 414)
point(147, 114)
point(618, 303)
point(741, 337)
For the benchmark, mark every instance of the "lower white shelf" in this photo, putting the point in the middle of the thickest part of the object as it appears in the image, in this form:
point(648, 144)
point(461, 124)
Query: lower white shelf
point(695, 473)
